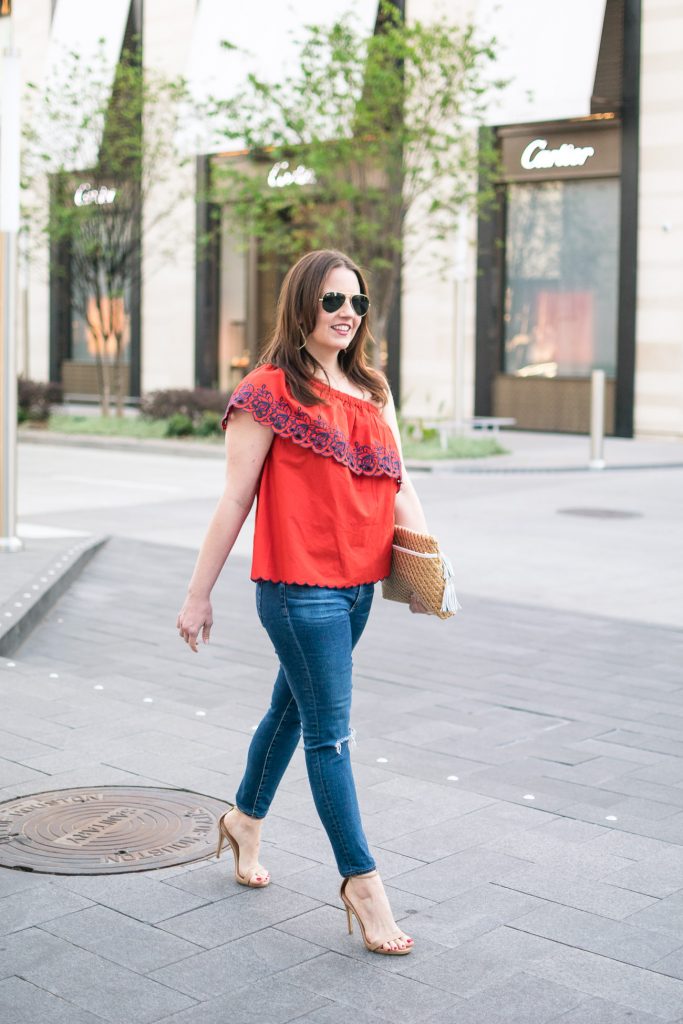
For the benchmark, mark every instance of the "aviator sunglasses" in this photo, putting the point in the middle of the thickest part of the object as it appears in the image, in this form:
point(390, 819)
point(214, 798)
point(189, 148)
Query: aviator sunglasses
point(332, 301)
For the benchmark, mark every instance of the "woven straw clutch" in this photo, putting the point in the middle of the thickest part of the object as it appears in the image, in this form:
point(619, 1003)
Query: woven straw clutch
point(418, 567)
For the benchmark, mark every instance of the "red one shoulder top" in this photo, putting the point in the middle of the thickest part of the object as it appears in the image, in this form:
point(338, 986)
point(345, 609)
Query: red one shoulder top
point(325, 500)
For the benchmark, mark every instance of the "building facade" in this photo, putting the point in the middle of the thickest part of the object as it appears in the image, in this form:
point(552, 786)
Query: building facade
point(577, 268)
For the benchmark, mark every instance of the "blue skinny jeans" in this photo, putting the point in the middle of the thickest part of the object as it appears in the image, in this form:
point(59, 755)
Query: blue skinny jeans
point(313, 631)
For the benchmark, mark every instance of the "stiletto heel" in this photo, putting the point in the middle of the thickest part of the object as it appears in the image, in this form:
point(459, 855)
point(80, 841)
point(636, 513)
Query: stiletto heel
point(351, 912)
point(223, 833)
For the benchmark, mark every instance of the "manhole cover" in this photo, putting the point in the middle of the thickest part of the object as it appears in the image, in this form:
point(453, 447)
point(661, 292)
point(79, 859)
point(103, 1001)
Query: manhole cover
point(108, 829)
point(600, 513)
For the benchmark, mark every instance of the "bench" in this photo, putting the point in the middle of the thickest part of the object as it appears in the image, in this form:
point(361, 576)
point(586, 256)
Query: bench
point(492, 423)
point(447, 428)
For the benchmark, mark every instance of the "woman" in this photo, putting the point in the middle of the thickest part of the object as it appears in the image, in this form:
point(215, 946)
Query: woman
point(313, 431)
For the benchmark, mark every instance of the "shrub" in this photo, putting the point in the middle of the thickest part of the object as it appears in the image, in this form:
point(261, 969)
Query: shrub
point(179, 425)
point(34, 399)
point(209, 424)
point(193, 403)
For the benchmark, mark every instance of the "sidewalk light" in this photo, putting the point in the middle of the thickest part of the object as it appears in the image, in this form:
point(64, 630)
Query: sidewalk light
point(9, 227)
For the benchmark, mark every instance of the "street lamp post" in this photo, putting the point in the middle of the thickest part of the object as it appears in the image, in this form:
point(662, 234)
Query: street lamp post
point(9, 227)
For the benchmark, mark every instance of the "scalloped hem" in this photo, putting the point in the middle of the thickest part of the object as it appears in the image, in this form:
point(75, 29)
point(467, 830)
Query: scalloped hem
point(307, 583)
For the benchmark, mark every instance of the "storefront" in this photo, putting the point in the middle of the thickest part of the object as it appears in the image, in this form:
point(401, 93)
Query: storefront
point(96, 215)
point(238, 282)
point(87, 323)
point(237, 286)
point(548, 292)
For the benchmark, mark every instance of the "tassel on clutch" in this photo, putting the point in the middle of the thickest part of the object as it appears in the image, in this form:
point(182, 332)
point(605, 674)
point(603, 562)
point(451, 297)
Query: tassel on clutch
point(418, 567)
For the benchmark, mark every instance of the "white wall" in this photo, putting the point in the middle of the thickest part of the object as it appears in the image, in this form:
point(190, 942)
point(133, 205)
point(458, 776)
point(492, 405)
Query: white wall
point(168, 288)
point(659, 331)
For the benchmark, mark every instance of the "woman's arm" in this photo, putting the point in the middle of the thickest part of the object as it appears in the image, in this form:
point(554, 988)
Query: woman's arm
point(247, 444)
point(408, 509)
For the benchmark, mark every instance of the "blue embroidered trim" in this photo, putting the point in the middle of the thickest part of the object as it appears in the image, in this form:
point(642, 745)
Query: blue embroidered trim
point(301, 428)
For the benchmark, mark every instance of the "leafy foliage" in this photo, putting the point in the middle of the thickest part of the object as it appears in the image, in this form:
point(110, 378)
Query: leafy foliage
point(387, 125)
point(179, 425)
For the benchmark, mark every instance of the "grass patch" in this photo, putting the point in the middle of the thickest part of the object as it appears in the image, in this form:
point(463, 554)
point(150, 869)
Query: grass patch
point(458, 448)
point(129, 426)
point(109, 426)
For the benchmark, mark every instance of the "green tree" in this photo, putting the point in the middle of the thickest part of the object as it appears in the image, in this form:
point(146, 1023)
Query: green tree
point(376, 141)
point(103, 227)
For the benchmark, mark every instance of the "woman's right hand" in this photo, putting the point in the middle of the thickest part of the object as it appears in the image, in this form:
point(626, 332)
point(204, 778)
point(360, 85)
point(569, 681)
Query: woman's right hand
point(195, 615)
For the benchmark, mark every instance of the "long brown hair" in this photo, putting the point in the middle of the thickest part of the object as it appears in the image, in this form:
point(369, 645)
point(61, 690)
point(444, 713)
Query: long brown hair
point(297, 312)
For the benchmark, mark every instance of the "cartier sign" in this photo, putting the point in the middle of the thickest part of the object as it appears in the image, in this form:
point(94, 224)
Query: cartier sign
point(280, 175)
point(560, 151)
point(538, 156)
point(85, 195)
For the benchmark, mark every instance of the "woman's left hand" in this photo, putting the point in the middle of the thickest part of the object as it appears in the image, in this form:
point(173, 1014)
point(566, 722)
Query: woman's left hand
point(416, 605)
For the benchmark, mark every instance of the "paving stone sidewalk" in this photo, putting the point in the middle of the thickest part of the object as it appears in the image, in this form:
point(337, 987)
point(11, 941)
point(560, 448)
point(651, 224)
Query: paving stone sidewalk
point(520, 773)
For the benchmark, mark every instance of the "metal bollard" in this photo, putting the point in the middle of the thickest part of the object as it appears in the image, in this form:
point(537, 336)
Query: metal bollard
point(597, 456)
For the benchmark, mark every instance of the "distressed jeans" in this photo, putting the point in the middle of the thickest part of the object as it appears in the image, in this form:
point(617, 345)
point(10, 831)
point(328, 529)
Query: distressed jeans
point(313, 631)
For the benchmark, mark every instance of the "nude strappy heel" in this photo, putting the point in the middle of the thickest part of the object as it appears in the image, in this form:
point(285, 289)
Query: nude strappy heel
point(223, 833)
point(377, 946)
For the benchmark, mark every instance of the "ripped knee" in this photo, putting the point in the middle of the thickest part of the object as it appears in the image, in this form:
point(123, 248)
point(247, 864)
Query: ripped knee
point(314, 743)
point(350, 739)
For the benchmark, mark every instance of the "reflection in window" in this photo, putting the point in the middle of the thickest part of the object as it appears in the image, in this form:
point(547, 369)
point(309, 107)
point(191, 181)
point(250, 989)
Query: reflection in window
point(96, 333)
point(561, 278)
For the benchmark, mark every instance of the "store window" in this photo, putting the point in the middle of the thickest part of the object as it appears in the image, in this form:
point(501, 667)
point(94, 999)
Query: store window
point(99, 324)
point(95, 283)
point(561, 276)
point(250, 282)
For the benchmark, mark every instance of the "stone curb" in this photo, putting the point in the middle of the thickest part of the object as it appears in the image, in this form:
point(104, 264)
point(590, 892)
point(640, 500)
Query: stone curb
point(125, 444)
point(13, 634)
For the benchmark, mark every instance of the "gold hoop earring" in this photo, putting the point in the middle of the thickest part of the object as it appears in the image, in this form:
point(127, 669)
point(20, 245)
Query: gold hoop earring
point(303, 344)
